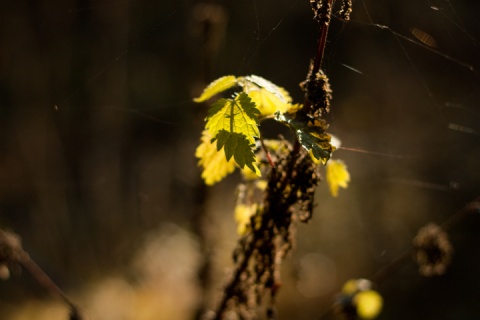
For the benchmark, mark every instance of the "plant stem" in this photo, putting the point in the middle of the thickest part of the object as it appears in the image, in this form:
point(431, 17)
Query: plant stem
point(322, 40)
point(321, 44)
point(12, 252)
point(43, 279)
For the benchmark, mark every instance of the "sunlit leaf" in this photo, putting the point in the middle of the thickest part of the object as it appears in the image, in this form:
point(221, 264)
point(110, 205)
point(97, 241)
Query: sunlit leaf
point(237, 145)
point(234, 115)
point(255, 81)
point(216, 87)
point(337, 176)
point(312, 137)
point(268, 103)
point(233, 123)
point(215, 165)
point(268, 97)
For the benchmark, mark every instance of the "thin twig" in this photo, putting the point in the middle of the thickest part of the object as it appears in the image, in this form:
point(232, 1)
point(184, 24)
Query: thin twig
point(267, 153)
point(12, 252)
point(42, 278)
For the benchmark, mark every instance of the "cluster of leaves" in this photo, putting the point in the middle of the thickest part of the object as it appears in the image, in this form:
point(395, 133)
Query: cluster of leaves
point(280, 177)
point(232, 125)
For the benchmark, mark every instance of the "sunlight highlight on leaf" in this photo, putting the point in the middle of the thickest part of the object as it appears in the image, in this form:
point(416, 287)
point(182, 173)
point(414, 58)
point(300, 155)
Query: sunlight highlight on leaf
point(268, 103)
point(337, 176)
point(237, 115)
point(215, 165)
point(233, 123)
point(216, 87)
point(268, 97)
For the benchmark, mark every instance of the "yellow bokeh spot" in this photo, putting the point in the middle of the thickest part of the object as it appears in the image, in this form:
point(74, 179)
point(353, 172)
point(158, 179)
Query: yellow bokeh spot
point(261, 184)
point(369, 304)
point(350, 287)
point(243, 213)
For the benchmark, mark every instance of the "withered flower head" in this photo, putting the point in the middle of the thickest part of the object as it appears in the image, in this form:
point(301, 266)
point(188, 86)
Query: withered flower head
point(432, 250)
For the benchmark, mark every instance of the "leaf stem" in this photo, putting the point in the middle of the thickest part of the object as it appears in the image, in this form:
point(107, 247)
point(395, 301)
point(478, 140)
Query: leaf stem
point(269, 156)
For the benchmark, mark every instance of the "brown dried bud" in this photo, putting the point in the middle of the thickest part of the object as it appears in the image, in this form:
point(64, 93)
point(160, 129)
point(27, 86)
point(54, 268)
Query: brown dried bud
point(345, 10)
point(322, 10)
point(318, 93)
point(432, 250)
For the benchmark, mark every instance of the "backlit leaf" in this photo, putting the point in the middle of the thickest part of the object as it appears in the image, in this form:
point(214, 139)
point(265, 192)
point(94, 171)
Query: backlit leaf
point(234, 115)
point(216, 87)
point(237, 145)
point(259, 82)
point(337, 176)
point(233, 123)
point(268, 97)
point(215, 165)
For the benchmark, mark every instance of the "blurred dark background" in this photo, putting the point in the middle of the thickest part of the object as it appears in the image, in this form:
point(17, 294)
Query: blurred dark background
point(98, 133)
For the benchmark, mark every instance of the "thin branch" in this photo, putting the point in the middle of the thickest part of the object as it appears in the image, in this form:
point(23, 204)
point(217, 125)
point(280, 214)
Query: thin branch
point(11, 253)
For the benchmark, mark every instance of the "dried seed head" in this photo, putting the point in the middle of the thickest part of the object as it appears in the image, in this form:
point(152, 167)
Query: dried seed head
point(321, 10)
point(432, 250)
point(345, 10)
point(318, 92)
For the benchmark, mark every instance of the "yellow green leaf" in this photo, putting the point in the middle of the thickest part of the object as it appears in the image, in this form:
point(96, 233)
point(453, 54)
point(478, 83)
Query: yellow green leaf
point(267, 102)
point(237, 115)
point(233, 123)
point(214, 163)
point(236, 145)
point(337, 176)
point(254, 82)
point(268, 97)
point(217, 86)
